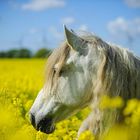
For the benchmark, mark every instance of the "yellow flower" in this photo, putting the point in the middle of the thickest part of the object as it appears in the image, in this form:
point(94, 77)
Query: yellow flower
point(87, 135)
point(131, 106)
point(117, 102)
point(40, 136)
point(66, 137)
point(108, 102)
point(20, 81)
point(119, 132)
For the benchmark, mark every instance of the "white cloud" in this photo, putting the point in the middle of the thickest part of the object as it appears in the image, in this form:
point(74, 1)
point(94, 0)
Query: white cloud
point(38, 5)
point(125, 28)
point(133, 3)
point(67, 20)
point(83, 27)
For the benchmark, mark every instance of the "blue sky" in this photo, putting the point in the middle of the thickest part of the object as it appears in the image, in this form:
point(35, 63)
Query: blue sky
point(33, 23)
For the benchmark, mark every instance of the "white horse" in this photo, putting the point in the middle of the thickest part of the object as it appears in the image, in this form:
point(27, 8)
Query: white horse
point(79, 73)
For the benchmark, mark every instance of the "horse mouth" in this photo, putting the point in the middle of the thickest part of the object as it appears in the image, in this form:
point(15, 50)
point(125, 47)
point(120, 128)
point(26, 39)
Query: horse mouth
point(47, 129)
point(46, 126)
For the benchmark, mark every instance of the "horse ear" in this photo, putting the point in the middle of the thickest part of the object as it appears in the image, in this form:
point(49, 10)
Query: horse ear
point(73, 40)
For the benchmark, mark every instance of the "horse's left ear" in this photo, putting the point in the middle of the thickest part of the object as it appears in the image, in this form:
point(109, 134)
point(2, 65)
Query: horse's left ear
point(73, 40)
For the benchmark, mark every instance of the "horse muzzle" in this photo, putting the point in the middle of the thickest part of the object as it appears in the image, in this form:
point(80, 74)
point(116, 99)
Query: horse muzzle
point(44, 125)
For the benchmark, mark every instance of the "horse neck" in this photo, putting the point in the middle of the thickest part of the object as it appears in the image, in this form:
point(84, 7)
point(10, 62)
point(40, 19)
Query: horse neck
point(122, 74)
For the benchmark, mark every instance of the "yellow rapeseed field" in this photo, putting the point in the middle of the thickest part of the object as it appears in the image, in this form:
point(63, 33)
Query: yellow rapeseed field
point(20, 81)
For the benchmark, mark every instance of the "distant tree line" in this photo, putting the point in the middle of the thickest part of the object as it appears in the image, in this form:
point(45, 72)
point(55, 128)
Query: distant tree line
point(25, 53)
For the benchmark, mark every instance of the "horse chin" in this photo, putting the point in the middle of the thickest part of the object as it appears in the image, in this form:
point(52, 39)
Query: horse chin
point(50, 130)
point(47, 129)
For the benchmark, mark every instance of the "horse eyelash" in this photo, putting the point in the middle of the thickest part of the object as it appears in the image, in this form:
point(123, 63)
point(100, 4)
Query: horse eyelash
point(61, 72)
point(54, 69)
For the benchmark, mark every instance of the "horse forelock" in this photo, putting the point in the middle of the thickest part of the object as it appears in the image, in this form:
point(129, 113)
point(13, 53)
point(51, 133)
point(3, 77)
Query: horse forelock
point(58, 58)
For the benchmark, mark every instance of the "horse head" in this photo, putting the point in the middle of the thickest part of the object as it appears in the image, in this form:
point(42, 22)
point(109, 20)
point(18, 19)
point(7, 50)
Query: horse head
point(71, 69)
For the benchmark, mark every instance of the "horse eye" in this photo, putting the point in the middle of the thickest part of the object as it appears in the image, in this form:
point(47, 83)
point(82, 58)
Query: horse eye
point(54, 69)
point(61, 72)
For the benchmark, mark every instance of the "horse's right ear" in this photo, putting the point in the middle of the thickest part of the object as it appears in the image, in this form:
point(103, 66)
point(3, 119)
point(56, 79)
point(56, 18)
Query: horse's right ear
point(73, 40)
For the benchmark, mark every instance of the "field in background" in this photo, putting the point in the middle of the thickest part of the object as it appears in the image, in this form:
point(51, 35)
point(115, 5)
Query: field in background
point(20, 81)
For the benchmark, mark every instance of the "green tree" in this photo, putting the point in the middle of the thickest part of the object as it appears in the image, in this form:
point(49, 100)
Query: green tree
point(13, 53)
point(16, 53)
point(42, 53)
point(24, 53)
point(2, 54)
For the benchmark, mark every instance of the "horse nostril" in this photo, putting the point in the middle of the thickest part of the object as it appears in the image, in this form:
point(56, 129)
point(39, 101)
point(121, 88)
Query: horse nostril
point(44, 124)
point(32, 119)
